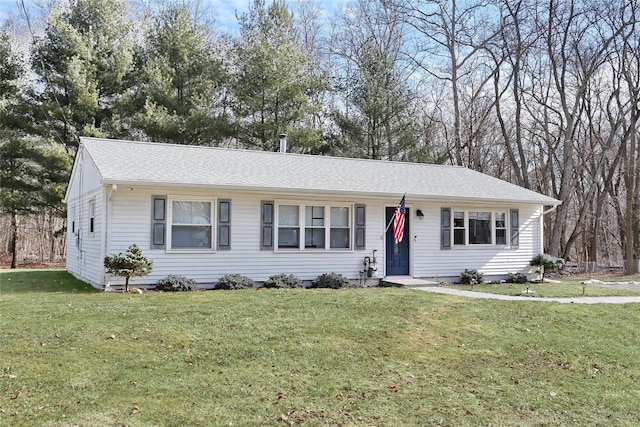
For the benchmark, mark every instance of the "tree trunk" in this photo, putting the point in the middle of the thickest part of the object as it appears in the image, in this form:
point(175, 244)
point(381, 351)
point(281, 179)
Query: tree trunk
point(630, 180)
point(14, 239)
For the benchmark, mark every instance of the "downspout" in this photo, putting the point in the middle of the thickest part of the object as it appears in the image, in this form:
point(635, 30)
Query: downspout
point(106, 229)
point(551, 209)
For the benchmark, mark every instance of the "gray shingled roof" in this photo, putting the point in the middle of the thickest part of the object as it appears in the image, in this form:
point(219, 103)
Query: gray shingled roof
point(130, 162)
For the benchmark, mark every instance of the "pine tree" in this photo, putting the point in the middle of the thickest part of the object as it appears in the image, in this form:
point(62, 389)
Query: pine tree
point(273, 86)
point(130, 264)
point(176, 92)
point(33, 171)
point(80, 62)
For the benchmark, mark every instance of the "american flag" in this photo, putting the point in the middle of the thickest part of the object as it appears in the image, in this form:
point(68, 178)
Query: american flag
point(398, 221)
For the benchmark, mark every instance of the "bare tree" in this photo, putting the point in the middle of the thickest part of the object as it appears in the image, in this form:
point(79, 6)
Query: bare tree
point(451, 46)
point(376, 113)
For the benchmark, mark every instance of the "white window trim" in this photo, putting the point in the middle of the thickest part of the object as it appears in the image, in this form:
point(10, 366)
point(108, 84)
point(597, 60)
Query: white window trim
point(169, 228)
point(301, 225)
point(72, 218)
point(467, 230)
point(91, 214)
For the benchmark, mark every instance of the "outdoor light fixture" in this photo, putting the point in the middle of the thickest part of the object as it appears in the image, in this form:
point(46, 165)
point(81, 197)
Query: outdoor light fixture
point(419, 214)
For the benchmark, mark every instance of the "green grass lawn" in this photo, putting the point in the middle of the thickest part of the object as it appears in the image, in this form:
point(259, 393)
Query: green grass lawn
point(571, 288)
point(359, 357)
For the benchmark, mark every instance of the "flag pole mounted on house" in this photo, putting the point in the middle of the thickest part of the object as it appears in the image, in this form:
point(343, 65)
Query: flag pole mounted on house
point(398, 221)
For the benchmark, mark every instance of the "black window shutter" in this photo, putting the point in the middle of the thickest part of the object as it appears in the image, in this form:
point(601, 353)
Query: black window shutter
point(266, 222)
point(224, 224)
point(360, 227)
point(158, 221)
point(445, 228)
point(515, 228)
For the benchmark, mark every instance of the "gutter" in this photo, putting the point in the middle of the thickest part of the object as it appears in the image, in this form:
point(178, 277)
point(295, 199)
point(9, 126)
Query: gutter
point(331, 193)
point(541, 226)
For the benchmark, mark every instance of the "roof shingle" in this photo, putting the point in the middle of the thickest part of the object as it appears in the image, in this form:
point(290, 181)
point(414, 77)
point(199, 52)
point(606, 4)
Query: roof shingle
point(131, 162)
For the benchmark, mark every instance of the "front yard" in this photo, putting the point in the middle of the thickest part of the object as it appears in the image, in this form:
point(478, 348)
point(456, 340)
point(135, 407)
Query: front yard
point(357, 357)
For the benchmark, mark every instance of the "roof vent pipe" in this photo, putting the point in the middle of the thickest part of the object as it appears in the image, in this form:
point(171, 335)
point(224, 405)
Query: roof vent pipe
point(283, 142)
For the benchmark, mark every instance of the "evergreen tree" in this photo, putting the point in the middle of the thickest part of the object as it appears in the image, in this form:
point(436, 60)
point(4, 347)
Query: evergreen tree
point(33, 172)
point(80, 62)
point(273, 86)
point(130, 264)
point(176, 92)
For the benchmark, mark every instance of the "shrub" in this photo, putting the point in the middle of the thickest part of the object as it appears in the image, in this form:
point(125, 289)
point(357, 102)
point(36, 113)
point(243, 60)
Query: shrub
point(330, 280)
point(517, 278)
point(546, 263)
point(471, 277)
point(130, 264)
point(235, 281)
point(175, 283)
point(283, 281)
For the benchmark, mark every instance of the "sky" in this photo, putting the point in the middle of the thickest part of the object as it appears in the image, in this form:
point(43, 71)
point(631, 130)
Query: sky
point(225, 10)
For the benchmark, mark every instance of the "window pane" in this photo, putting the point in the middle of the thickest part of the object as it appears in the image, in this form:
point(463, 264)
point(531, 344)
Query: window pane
point(314, 238)
point(288, 215)
point(459, 232)
point(340, 238)
point(314, 216)
point(288, 238)
point(340, 217)
point(189, 236)
point(458, 236)
point(480, 228)
point(191, 212)
point(458, 219)
point(501, 228)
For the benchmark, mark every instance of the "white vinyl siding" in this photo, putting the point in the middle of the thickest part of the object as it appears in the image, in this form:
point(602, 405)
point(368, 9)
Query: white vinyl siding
point(84, 248)
point(131, 224)
point(430, 261)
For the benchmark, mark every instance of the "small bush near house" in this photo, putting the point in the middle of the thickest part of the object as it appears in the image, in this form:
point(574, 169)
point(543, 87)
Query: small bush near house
point(330, 280)
point(175, 283)
point(235, 281)
point(517, 278)
point(471, 277)
point(283, 281)
point(546, 263)
point(130, 264)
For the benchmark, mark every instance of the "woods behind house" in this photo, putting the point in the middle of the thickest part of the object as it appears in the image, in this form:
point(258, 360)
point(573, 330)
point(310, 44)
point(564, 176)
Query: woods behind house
point(544, 94)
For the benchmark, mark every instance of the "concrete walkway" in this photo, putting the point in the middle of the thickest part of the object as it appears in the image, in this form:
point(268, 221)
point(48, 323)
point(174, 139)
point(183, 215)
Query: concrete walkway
point(427, 286)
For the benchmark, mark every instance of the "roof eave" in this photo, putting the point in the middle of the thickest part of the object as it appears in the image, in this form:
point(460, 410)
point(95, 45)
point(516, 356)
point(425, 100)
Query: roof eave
point(325, 192)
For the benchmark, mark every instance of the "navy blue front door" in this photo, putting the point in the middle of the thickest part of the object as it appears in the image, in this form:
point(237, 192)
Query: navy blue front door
point(397, 254)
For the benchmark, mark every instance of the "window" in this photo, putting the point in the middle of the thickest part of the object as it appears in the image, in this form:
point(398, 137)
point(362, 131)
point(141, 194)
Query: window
point(474, 228)
point(288, 226)
point(92, 216)
point(459, 234)
point(501, 228)
point(191, 224)
point(72, 216)
point(324, 227)
point(340, 230)
point(479, 228)
point(314, 227)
